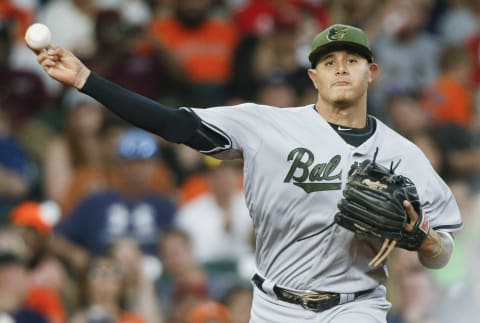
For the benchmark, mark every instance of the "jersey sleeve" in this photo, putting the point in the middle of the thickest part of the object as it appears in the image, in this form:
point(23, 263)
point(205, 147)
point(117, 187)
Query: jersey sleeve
point(440, 205)
point(438, 202)
point(239, 125)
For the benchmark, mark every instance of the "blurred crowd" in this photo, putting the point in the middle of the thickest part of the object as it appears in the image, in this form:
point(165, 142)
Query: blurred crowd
point(101, 222)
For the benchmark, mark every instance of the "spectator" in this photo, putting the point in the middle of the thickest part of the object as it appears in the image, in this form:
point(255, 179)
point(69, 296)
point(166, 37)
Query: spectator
point(140, 272)
point(131, 208)
point(22, 16)
point(449, 99)
point(473, 44)
point(209, 312)
point(15, 168)
point(129, 55)
point(417, 291)
point(405, 114)
point(355, 13)
point(408, 55)
point(21, 90)
point(452, 151)
point(103, 295)
point(184, 282)
point(71, 23)
point(459, 22)
point(238, 300)
point(259, 58)
point(218, 223)
point(276, 91)
point(74, 161)
point(259, 17)
point(192, 181)
point(194, 169)
point(204, 46)
point(49, 284)
point(457, 278)
point(14, 279)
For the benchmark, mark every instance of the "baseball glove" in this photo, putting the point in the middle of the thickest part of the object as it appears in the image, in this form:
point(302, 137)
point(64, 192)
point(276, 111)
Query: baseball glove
point(372, 205)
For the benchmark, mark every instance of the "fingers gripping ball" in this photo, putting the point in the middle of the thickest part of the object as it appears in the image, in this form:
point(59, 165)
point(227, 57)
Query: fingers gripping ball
point(38, 36)
point(372, 205)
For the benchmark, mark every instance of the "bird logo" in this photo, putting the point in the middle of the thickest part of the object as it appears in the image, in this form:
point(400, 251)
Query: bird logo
point(337, 33)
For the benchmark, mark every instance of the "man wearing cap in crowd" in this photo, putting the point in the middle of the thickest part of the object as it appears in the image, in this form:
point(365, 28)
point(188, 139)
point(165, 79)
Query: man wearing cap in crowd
point(296, 162)
point(14, 279)
point(47, 291)
point(129, 209)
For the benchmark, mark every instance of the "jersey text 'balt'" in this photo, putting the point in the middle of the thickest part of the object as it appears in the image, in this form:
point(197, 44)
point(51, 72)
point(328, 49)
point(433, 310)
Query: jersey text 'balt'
point(313, 179)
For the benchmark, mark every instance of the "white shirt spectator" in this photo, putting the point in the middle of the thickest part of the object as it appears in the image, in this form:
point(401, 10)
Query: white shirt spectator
point(205, 222)
point(72, 28)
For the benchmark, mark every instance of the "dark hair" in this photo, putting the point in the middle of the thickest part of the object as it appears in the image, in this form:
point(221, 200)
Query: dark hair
point(84, 290)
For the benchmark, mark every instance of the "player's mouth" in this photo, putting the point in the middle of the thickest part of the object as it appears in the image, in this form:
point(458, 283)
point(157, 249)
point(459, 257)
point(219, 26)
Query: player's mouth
point(340, 83)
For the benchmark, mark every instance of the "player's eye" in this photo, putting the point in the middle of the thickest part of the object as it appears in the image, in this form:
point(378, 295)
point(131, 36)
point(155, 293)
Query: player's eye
point(352, 60)
point(329, 63)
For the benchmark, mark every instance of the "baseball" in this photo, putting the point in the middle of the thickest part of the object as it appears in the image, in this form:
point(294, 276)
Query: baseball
point(38, 36)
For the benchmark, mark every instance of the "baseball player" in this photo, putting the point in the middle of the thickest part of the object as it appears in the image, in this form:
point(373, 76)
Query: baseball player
point(296, 164)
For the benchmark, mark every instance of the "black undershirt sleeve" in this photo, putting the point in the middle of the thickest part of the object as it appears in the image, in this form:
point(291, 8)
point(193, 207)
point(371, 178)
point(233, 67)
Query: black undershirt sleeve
point(179, 126)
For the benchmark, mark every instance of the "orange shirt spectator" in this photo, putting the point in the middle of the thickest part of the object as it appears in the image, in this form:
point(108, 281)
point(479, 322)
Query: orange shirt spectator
point(36, 221)
point(193, 187)
point(205, 51)
point(447, 101)
point(197, 184)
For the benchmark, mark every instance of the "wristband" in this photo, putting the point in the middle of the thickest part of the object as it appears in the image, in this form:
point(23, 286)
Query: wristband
point(439, 251)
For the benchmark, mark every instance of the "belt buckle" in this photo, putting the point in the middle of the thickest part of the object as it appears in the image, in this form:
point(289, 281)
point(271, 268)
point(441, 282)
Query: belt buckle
point(317, 302)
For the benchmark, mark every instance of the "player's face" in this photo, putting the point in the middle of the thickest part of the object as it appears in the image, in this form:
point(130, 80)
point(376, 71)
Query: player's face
point(342, 78)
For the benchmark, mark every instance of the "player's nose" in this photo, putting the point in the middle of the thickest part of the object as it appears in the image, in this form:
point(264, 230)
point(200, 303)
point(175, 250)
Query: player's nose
point(340, 70)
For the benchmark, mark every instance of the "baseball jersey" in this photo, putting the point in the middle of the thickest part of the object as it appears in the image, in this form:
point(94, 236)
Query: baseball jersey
point(295, 167)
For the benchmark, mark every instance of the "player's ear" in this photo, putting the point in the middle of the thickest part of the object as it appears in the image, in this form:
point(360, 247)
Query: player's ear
point(373, 69)
point(312, 73)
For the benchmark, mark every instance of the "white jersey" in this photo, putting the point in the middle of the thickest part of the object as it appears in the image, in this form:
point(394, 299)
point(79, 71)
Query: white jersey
point(295, 167)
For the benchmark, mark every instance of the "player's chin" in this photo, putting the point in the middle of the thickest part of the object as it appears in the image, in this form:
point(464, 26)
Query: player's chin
point(342, 103)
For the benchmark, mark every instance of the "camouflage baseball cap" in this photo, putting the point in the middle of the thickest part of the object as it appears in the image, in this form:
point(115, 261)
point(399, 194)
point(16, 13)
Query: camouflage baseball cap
point(340, 37)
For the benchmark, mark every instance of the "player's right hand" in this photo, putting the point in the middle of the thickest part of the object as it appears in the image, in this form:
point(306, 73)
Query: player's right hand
point(63, 66)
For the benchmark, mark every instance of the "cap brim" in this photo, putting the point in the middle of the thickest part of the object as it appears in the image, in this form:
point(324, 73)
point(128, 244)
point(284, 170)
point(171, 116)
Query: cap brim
point(337, 46)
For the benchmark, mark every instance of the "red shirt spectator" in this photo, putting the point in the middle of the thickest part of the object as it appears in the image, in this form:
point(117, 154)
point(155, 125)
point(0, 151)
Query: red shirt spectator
point(260, 17)
point(474, 46)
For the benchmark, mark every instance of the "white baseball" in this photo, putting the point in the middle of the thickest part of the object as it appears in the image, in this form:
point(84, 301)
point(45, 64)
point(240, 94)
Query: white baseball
point(38, 36)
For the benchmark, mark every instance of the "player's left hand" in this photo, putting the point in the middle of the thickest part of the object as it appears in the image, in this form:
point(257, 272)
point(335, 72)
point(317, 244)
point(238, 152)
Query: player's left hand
point(416, 229)
point(384, 205)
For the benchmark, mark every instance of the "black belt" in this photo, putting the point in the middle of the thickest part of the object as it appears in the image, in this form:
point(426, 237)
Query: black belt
point(313, 301)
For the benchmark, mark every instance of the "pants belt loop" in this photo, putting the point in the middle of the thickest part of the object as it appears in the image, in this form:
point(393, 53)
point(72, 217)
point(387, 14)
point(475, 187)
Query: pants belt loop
point(346, 297)
point(267, 286)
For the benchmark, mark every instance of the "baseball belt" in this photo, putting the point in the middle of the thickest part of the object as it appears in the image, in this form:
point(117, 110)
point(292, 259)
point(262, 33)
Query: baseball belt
point(309, 300)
